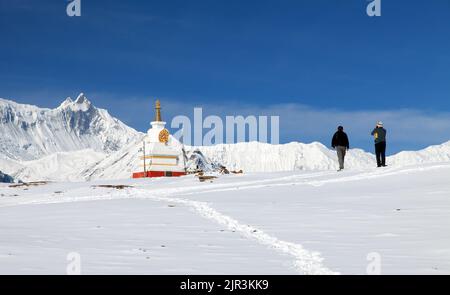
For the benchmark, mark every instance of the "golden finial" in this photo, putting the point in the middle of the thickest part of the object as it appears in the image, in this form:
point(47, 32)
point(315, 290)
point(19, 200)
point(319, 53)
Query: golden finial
point(158, 111)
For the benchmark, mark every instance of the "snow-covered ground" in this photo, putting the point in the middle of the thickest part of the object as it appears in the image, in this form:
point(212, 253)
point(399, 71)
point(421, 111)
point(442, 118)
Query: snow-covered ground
point(296, 222)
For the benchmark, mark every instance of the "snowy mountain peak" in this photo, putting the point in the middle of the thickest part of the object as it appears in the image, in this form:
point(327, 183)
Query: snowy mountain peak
point(80, 104)
point(67, 102)
point(31, 132)
point(82, 99)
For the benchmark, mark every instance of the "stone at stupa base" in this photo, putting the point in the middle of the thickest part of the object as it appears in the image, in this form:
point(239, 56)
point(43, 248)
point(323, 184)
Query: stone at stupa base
point(158, 174)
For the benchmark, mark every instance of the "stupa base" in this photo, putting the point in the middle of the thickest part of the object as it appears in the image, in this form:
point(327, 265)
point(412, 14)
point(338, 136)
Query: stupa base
point(149, 174)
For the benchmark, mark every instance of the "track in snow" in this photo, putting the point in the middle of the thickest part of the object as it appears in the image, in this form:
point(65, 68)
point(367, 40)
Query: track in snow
point(305, 261)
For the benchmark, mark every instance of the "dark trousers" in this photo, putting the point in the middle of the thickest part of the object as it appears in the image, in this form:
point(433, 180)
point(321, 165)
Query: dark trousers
point(380, 152)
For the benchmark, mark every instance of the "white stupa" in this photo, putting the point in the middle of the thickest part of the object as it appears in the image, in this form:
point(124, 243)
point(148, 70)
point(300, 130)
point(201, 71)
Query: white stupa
point(159, 157)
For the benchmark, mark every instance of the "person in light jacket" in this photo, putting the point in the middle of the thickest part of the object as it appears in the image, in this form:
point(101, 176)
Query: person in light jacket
point(379, 135)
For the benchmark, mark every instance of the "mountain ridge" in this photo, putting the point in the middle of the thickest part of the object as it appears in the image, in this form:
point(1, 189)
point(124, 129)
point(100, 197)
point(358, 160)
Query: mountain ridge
point(31, 132)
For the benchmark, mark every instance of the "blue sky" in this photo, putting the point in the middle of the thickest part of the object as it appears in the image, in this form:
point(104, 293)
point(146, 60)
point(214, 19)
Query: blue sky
point(316, 63)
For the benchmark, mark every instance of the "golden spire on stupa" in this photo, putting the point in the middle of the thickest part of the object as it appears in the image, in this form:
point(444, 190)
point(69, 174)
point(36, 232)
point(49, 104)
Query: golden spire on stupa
point(158, 111)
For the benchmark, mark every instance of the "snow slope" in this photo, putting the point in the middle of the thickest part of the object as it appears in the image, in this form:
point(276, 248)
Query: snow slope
point(297, 222)
point(263, 157)
point(30, 133)
point(431, 154)
point(62, 166)
point(294, 156)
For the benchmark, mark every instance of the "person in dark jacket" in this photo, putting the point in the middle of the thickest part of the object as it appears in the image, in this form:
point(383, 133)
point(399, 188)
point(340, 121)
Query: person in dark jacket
point(379, 134)
point(341, 144)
